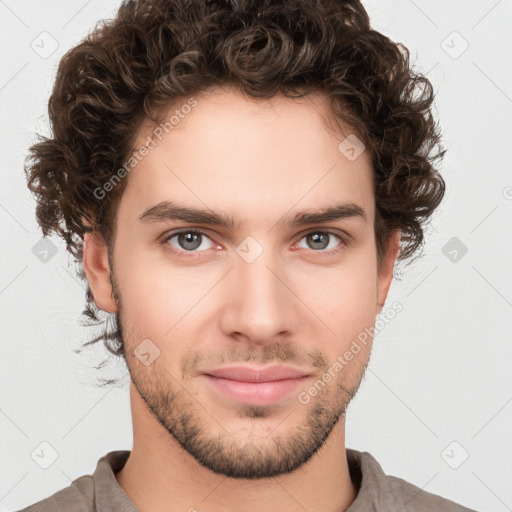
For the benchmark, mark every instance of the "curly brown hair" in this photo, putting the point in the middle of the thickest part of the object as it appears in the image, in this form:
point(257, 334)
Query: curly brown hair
point(131, 68)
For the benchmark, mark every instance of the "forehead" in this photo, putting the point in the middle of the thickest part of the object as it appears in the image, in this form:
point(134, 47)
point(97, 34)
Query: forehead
point(224, 150)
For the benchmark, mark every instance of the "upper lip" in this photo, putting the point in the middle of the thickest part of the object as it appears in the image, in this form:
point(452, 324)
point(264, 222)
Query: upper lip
point(248, 374)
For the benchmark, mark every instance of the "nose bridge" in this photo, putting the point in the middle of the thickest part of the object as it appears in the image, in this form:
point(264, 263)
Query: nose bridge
point(256, 270)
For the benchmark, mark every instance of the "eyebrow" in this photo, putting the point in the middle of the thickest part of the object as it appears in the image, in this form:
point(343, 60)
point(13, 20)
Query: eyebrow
point(169, 210)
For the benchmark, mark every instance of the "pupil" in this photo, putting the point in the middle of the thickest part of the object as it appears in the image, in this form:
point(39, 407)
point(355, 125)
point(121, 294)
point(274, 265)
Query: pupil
point(188, 238)
point(319, 238)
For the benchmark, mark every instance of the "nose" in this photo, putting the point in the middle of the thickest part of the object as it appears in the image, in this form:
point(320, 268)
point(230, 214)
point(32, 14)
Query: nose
point(260, 306)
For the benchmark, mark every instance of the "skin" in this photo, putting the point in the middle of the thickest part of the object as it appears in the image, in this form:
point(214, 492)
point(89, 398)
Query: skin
point(258, 162)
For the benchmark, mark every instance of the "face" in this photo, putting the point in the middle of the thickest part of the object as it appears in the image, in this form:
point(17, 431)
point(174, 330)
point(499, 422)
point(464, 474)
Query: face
point(257, 290)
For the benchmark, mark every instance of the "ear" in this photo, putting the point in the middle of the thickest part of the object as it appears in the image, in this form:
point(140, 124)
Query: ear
point(97, 270)
point(385, 274)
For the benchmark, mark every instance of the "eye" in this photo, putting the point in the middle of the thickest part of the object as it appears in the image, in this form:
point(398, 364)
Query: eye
point(187, 240)
point(319, 241)
point(188, 243)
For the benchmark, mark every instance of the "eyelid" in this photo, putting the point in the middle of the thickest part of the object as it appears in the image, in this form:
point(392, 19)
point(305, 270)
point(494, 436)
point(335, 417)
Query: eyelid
point(333, 231)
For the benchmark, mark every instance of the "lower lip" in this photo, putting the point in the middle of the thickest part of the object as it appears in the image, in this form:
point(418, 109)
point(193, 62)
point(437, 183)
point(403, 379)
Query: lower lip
point(255, 393)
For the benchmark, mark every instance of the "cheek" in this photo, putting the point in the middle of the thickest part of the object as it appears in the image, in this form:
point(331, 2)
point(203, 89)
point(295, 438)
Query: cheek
point(156, 294)
point(350, 313)
point(347, 301)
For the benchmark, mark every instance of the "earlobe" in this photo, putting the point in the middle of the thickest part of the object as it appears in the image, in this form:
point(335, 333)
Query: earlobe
point(97, 270)
point(385, 276)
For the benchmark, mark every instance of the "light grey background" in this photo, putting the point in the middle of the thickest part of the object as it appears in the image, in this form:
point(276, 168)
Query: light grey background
point(439, 372)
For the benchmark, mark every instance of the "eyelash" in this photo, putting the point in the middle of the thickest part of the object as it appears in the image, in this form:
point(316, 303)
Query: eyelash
point(189, 254)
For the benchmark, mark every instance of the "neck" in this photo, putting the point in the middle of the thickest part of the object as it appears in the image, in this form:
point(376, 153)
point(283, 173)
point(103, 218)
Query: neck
point(159, 472)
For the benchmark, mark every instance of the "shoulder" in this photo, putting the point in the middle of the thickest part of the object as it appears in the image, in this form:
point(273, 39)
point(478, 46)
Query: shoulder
point(77, 497)
point(414, 499)
point(90, 493)
point(386, 493)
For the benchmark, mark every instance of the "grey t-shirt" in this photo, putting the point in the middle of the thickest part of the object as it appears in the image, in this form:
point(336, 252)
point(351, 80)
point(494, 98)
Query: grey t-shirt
point(377, 491)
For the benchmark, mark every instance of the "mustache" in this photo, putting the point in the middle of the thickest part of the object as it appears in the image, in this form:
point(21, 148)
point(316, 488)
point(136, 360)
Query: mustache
point(278, 353)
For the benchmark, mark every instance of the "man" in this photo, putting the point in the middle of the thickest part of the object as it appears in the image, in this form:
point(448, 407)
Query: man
point(243, 176)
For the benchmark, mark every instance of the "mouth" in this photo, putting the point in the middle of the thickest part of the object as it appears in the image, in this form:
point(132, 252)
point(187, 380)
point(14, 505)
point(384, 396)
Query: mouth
point(253, 386)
